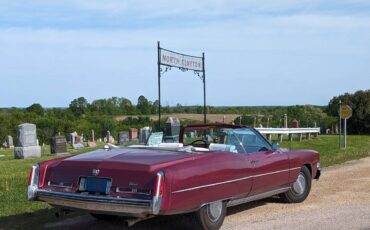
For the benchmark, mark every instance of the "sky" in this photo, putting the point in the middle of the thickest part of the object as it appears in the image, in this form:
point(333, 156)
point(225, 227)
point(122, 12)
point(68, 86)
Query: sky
point(256, 52)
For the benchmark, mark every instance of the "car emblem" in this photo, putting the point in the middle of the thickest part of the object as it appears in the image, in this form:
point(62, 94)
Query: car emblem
point(132, 184)
point(95, 172)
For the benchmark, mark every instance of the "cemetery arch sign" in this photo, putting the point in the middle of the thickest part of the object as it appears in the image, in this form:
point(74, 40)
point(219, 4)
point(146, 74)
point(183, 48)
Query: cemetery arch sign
point(168, 59)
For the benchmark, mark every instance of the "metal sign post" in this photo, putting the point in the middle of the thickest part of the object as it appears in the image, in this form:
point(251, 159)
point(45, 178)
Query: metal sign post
point(345, 112)
point(168, 59)
point(159, 86)
point(204, 91)
point(345, 132)
point(340, 124)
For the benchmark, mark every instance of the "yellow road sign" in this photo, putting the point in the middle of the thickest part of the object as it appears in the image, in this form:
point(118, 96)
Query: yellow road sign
point(345, 112)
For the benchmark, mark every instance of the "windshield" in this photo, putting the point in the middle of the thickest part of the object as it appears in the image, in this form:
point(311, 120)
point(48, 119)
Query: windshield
point(241, 140)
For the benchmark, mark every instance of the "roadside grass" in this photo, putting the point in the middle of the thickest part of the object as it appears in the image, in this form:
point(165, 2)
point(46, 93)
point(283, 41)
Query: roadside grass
point(358, 146)
point(18, 213)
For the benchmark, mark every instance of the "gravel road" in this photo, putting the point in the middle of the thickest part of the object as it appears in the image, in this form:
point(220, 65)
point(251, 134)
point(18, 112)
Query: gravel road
point(339, 200)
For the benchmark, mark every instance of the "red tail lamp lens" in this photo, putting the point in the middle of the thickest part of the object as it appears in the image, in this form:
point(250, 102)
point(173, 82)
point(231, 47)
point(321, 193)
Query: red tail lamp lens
point(30, 176)
point(158, 185)
point(33, 178)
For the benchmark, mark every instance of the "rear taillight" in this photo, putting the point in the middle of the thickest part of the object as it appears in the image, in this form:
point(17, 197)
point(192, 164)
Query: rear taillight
point(158, 184)
point(30, 176)
point(34, 175)
point(33, 182)
point(158, 193)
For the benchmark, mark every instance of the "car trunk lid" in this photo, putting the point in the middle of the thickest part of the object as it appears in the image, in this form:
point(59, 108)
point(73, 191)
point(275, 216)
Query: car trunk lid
point(130, 171)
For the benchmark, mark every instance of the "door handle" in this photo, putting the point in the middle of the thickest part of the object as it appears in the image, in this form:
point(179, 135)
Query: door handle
point(254, 161)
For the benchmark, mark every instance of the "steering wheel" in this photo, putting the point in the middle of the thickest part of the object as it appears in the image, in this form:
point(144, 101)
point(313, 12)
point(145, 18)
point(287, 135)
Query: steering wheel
point(203, 141)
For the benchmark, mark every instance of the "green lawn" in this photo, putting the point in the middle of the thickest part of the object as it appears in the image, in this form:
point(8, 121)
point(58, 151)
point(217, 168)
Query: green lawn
point(327, 145)
point(15, 210)
point(17, 213)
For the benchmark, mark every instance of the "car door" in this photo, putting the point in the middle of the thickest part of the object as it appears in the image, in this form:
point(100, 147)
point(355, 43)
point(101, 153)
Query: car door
point(270, 167)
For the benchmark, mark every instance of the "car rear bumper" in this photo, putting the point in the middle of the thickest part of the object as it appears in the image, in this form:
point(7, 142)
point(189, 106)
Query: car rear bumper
point(318, 174)
point(97, 204)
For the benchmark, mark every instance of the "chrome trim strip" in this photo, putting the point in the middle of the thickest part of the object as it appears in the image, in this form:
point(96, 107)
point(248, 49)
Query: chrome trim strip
point(256, 197)
point(235, 180)
point(118, 190)
point(60, 185)
point(210, 185)
point(265, 174)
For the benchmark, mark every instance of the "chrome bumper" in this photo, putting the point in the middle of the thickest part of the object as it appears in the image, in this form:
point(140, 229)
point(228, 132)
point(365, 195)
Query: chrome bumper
point(97, 204)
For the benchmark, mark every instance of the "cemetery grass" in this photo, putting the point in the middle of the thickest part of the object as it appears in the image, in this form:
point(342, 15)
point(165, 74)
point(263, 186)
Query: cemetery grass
point(15, 210)
point(17, 213)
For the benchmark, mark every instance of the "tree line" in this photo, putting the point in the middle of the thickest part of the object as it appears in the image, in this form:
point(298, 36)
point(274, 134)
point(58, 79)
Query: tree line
point(99, 115)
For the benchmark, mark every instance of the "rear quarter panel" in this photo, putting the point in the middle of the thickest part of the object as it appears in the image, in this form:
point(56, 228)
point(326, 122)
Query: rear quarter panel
point(192, 176)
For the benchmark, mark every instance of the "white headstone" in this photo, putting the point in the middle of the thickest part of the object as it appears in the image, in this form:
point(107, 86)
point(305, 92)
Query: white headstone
point(27, 146)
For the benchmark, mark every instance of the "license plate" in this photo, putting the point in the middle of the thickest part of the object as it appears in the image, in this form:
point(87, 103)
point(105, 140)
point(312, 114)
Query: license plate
point(101, 185)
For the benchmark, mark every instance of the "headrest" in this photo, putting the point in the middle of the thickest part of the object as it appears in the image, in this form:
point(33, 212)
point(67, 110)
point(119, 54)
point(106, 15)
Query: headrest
point(222, 148)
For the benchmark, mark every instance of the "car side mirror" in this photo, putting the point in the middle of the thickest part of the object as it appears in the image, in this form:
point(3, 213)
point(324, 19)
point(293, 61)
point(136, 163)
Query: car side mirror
point(275, 146)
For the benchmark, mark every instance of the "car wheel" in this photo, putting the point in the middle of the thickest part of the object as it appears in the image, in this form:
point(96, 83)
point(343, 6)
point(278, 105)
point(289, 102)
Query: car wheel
point(300, 189)
point(211, 216)
point(103, 217)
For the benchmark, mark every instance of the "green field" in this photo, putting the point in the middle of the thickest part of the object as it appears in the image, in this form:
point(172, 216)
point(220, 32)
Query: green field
point(17, 212)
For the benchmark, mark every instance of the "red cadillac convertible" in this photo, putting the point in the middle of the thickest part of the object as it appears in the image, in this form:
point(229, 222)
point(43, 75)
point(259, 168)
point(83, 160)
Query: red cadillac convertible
point(214, 166)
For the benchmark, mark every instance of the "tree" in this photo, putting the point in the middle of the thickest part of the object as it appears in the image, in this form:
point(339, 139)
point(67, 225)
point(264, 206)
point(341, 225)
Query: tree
point(5, 124)
point(244, 120)
point(35, 108)
point(79, 106)
point(155, 107)
point(359, 123)
point(143, 105)
point(126, 106)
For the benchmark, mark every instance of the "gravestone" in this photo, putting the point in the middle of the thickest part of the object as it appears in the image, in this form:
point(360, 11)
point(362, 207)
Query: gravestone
point(172, 130)
point(91, 142)
point(58, 145)
point(27, 146)
point(109, 138)
point(144, 134)
point(76, 141)
point(132, 134)
point(123, 138)
point(295, 123)
point(9, 143)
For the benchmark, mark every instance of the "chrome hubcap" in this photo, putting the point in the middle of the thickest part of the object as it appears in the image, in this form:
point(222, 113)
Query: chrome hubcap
point(214, 210)
point(300, 185)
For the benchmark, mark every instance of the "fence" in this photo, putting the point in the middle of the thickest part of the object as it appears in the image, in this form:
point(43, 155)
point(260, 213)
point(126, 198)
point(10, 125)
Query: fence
point(268, 132)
